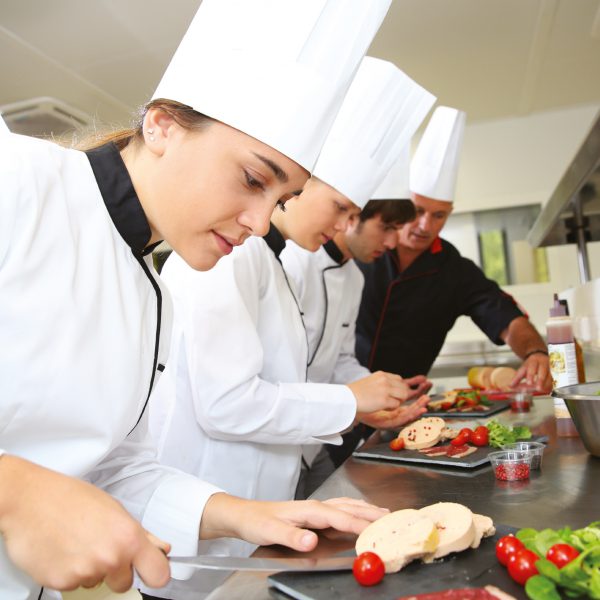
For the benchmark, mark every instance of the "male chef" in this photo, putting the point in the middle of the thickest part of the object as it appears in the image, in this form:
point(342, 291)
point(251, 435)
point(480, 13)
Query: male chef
point(413, 295)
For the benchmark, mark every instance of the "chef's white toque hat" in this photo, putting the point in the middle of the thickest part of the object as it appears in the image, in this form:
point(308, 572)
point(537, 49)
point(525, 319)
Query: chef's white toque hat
point(380, 113)
point(434, 167)
point(277, 70)
point(395, 185)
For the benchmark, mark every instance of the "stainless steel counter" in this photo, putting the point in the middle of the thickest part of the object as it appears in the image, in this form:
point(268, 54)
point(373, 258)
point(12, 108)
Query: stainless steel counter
point(565, 492)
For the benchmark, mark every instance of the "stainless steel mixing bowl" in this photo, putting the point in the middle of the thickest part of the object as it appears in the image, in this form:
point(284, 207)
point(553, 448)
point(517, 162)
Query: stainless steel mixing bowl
point(583, 403)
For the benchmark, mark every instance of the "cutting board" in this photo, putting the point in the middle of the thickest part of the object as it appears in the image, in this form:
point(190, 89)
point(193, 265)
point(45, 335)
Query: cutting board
point(496, 407)
point(475, 459)
point(471, 568)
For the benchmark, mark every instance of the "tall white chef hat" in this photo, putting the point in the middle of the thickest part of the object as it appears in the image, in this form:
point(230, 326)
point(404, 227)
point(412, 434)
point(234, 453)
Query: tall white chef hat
point(277, 70)
point(395, 185)
point(434, 167)
point(380, 113)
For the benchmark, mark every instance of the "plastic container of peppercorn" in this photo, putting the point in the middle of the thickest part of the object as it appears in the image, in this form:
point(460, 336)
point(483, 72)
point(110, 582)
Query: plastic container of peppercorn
point(536, 449)
point(511, 465)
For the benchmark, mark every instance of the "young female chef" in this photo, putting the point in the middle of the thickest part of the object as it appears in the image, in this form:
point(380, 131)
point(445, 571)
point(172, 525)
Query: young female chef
point(233, 406)
point(84, 321)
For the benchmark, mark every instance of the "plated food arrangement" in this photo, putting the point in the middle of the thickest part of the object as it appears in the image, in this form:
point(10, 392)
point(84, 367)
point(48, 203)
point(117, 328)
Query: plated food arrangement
point(438, 551)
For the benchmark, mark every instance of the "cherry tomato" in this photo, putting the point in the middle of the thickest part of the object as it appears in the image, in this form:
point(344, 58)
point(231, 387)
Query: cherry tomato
point(461, 439)
point(447, 405)
point(368, 568)
point(480, 436)
point(506, 546)
point(521, 565)
point(466, 430)
point(397, 443)
point(561, 554)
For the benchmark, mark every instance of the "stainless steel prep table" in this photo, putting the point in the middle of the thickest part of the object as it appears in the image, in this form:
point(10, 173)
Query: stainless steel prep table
point(566, 492)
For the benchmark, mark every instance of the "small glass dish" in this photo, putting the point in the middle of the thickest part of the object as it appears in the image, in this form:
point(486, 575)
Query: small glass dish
point(535, 448)
point(521, 401)
point(511, 465)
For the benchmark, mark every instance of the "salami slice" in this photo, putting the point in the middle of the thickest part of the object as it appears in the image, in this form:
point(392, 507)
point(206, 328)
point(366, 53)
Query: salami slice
point(460, 451)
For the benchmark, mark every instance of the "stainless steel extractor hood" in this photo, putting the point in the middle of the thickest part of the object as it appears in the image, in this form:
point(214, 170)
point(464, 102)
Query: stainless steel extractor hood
point(572, 215)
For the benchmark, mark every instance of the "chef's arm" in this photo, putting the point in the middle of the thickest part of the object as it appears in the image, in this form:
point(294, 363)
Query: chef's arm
point(287, 523)
point(66, 533)
point(528, 345)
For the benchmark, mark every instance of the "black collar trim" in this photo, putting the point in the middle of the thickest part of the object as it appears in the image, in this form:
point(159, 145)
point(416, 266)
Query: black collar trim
point(275, 240)
point(334, 252)
point(119, 195)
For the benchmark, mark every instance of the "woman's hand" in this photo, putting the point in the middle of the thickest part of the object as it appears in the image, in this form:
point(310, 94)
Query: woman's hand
point(286, 523)
point(66, 533)
point(394, 419)
point(379, 391)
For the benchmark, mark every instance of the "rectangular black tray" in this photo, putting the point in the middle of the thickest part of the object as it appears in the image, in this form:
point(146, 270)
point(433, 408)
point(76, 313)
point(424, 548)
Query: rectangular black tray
point(471, 568)
point(496, 407)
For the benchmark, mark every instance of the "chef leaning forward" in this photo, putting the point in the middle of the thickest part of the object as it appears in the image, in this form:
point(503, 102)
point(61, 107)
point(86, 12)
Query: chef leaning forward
point(233, 405)
point(414, 294)
point(329, 286)
point(85, 321)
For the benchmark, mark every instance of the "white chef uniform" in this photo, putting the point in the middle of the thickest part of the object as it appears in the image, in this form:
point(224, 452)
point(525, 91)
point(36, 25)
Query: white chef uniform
point(84, 327)
point(239, 416)
point(329, 290)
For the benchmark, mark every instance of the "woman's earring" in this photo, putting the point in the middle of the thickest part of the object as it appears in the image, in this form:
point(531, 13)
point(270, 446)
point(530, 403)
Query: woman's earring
point(151, 131)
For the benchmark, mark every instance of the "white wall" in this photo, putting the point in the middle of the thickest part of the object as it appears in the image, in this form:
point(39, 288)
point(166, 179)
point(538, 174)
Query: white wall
point(514, 162)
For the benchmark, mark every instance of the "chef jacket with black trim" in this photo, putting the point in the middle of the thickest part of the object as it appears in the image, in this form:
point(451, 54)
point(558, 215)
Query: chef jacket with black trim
point(404, 316)
point(329, 290)
point(233, 406)
point(84, 328)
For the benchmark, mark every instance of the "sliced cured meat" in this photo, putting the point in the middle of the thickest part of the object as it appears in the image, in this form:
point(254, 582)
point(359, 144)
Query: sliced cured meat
point(423, 433)
point(436, 450)
point(460, 451)
point(487, 593)
point(455, 527)
point(399, 538)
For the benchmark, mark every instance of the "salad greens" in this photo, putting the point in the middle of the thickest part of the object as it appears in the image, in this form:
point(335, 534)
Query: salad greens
point(501, 434)
point(579, 578)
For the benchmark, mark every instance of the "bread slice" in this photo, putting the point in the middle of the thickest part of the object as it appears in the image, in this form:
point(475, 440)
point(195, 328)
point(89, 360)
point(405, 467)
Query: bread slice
point(455, 527)
point(399, 537)
point(484, 527)
point(423, 433)
point(501, 378)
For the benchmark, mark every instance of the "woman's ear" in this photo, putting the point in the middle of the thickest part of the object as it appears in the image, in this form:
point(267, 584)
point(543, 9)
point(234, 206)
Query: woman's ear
point(158, 127)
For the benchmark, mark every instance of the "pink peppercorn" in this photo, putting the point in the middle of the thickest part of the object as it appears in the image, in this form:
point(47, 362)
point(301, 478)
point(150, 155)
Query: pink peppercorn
point(512, 472)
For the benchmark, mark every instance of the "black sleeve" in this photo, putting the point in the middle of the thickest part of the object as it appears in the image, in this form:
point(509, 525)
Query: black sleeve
point(491, 309)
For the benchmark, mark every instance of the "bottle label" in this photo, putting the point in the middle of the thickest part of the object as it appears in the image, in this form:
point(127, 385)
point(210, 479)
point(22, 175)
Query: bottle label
point(563, 364)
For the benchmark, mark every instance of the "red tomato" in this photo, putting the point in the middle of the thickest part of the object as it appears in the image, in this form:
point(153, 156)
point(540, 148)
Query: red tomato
point(462, 438)
point(447, 405)
point(368, 568)
point(521, 565)
point(506, 546)
point(561, 554)
point(480, 436)
point(466, 430)
point(397, 443)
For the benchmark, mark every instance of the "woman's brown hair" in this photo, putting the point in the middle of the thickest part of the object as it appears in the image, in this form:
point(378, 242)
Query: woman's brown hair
point(183, 115)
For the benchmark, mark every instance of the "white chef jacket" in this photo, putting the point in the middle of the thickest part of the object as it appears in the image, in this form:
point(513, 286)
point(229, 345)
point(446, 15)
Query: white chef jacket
point(232, 406)
point(329, 292)
point(84, 324)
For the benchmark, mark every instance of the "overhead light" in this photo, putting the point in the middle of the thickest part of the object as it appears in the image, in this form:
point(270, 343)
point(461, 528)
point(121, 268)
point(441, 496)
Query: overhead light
point(43, 117)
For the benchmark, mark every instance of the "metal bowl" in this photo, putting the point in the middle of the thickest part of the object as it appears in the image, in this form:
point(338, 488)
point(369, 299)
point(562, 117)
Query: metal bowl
point(583, 403)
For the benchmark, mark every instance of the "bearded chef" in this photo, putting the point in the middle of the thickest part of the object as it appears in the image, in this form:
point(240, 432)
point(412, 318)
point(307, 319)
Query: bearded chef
point(85, 320)
point(414, 294)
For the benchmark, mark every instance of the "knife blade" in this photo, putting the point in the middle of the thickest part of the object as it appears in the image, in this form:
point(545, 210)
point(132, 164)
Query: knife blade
point(236, 563)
